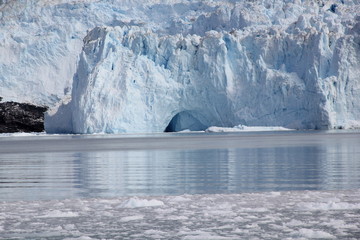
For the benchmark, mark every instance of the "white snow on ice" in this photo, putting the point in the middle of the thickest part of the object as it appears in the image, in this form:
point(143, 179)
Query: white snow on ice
point(268, 215)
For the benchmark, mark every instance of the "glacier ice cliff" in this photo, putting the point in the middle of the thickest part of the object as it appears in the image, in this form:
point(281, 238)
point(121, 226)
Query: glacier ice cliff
point(290, 64)
point(178, 64)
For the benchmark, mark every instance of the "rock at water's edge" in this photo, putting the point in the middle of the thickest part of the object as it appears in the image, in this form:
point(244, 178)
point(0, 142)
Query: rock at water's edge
point(21, 117)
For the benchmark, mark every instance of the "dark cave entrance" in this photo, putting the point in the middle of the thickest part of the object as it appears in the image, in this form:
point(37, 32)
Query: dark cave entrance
point(186, 120)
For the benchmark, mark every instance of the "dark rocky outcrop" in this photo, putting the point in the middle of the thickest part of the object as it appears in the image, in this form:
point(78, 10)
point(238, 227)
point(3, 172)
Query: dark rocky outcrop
point(21, 117)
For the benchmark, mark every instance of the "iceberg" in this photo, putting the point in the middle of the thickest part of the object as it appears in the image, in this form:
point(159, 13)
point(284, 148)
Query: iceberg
point(289, 64)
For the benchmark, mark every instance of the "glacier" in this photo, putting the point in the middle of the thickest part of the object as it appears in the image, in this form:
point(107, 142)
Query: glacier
point(286, 64)
point(153, 66)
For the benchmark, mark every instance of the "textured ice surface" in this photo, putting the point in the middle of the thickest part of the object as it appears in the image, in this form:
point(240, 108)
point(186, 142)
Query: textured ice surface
point(40, 40)
point(290, 64)
point(270, 215)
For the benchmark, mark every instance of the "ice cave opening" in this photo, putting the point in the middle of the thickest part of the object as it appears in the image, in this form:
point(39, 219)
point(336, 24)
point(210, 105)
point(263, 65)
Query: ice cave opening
point(186, 120)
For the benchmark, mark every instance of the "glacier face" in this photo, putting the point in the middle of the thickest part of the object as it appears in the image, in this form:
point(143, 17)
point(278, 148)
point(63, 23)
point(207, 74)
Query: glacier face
point(289, 63)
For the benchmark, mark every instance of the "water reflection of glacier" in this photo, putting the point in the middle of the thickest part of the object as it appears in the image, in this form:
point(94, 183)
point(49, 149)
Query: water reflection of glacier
point(218, 170)
point(325, 165)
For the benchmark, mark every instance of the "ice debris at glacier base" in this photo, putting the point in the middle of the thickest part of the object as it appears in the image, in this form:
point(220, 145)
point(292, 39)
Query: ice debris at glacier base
point(242, 128)
point(290, 64)
point(270, 215)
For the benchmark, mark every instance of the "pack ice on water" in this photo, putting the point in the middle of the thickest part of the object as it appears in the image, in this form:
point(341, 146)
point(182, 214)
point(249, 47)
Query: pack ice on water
point(271, 215)
point(175, 65)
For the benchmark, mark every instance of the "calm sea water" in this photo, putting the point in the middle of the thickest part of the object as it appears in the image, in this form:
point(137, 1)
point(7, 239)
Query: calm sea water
point(75, 166)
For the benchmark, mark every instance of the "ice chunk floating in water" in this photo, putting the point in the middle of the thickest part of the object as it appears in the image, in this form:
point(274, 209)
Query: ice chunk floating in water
point(136, 202)
point(242, 128)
